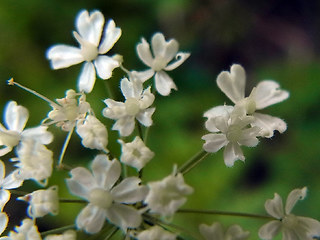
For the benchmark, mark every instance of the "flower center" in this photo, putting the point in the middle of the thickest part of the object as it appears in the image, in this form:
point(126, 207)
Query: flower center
point(234, 133)
point(89, 51)
point(136, 153)
point(9, 138)
point(100, 198)
point(290, 221)
point(158, 64)
point(132, 106)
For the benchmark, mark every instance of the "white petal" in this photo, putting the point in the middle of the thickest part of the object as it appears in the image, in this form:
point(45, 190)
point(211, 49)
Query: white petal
point(2, 171)
point(5, 150)
point(105, 66)
point(274, 207)
point(214, 142)
point(4, 197)
point(124, 216)
point(39, 133)
point(232, 83)
point(63, 56)
point(290, 234)
point(91, 219)
point(111, 36)
point(270, 230)
point(115, 110)
point(129, 191)
point(310, 225)
point(232, 152)
point(293, 197)
point(268, 124)
point(164, 83)
point(144, 53)
point(211, 114)
point(3, 222)
point(180, 58)
point(213, 232)
point(12, 181)
point(142, 75)
point(268, 93)
point(146, 99)
point(87, 77)
point(16, 116)
point(144, 117)
point(131, 89)
point(124, 125)
point(106, 172)
point(81, 182)
point(163, 49)
point(90, 27)
point(249, 137)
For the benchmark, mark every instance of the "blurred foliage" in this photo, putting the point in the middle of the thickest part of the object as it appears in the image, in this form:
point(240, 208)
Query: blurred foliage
point(271, 39)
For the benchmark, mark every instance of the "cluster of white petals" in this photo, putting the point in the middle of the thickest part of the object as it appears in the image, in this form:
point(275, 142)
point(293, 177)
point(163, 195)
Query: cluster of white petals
point(95, 41)
point(167, 195)
point(216, 232)
point(292, 227)
point(106, 199)
point(135, 154)
point(136, 106)
point(26, 231)
point(67, 235)
point(156, 233)
point(42, 202)
point(230, 128)
point(68, 111)
point(160, 60)
point(266, 93)
point(15, 118)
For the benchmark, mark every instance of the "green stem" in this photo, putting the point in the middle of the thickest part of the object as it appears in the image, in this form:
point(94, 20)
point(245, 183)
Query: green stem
point(109, 89)
point(64, 148)
point(17, 192)
point(194, 161)
point(139, 130)
point(58, 230)
point(113, 232)
point(223, 213)
point(146, 133)
point(64, 200)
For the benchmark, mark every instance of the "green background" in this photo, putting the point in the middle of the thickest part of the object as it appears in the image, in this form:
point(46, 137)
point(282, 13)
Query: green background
point(276, 40)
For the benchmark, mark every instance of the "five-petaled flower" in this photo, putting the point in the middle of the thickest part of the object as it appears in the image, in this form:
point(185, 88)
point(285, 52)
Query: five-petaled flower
point(94, 42)
point(216, 232)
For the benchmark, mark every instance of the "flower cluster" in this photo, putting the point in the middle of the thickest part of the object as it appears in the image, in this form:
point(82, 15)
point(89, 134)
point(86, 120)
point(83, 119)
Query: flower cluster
point(115, 195)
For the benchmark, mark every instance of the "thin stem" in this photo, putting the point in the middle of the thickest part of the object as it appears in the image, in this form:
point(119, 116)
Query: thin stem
point(58, 230)
point(64, 148)
point(146, 133)
point(109, 89)
point(17, 192)
point(63, 200)
point(113, 232)
point(223, 213)
point(12, 82)
point(194, 161)
point(139, 129)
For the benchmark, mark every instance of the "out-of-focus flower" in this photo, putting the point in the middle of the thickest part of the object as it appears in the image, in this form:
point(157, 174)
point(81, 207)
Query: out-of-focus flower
point(292, 226)
point(94, 42)
point(136, 106)
point(156, 233)
point(26, 231)
point(160, 60)
point(106, 200)
point(216, 232)
point(67, 235)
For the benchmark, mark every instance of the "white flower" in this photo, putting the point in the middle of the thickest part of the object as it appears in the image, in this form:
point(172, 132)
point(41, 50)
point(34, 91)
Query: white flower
point(67, 235)
point(160, 61)
point(292, 227)
point(216, 232)
point(15, 118)
point(266, 93)
point(156, 233)
point(94, 41)
point(167, 195)
point(68, 111)
point(136, 106)
point(93, 133)
point(230, 128)
point(135, 154)
point(106, 201)
point(3, 222)
point(34, 161)
point(42, 202)
point(26, 231)
point(7, 182)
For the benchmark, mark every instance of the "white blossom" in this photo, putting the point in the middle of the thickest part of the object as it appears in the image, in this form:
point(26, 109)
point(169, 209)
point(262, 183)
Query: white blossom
point(94, 42)
point(34, 161)
point(26, 231)
point(15, 119)
point(216, 232)
point(156, 233)
point(93, 133)
point(68, 111)
point(167, 195)
point(136, 106)
point(135, 154)
point(67, 235)
point(42, 202)
point(7, 182)
point(106, 200)
point(292, 227)
point(3, 222)
point(230, 128)
point(161, 60)
point(266, 93)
